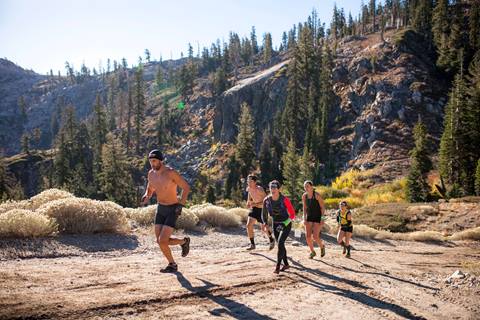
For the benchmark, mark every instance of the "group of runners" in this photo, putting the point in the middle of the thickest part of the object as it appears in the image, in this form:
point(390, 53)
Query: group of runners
point(165, 181)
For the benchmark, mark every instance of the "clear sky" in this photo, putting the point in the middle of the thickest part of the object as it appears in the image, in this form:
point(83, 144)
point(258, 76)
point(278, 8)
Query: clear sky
point(43, 34)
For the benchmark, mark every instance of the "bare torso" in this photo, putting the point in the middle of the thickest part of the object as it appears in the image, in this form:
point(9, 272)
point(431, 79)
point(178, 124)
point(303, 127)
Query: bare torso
point(164, 186)
point(257, 195)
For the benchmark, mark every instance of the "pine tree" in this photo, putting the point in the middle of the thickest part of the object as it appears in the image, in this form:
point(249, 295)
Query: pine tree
point(291, 117)
point(474, 26)
point(440, 23)
point(372, 10)
point(477, 179)
point(37, 135)
point(455, 43)
point(129, 119)
point(99, 125)
point(160, 127)
point(25, 143)
point(211, 198)
point(422, 19)
point(326, 99)
point(139, 113)
point(61, 165)
point(253, 40)
point(115, 179)
point(471, 139)
point(335, 22)
point(233, 177)
point(417, 185)
point(22, 107)
point(245, 141)
point(265, 158)
point(234, 50)
point(455, 153)
point(267, 48)
point(159, 79)
point(284, 45)
point(291, 185)
point(99, 129)
point(111, 105)
point(147, 55)
point(306, 166)
point(81, 182)
point(219, 82)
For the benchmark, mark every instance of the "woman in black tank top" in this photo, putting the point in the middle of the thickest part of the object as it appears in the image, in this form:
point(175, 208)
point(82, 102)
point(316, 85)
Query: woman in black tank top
point(313, 209)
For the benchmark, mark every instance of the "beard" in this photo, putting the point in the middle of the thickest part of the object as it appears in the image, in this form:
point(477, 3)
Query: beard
point(157, 167)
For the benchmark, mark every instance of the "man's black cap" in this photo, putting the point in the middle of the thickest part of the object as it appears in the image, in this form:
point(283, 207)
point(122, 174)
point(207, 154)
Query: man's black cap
point(155, 154)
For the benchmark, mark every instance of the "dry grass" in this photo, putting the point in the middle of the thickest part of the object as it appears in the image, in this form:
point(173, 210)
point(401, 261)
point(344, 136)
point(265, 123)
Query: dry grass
point(143, 216)
point(79, 215)
point(47, 196)
point(35, 202)
point(330, 192)
point(26, 223)
point(471, 267)
point(333, 203)
point(216, 216)
point(10, 205)
point(364, 231)
point(187, 220)
point(240, 212)
point(469, 234)
point(376, 198)
point(422, 210)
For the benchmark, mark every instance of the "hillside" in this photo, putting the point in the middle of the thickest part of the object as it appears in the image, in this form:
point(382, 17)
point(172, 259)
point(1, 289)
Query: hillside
point(381, 89)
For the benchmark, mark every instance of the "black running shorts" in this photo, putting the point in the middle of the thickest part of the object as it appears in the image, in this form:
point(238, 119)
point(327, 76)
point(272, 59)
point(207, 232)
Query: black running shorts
point(256, 213)
point(167, 215)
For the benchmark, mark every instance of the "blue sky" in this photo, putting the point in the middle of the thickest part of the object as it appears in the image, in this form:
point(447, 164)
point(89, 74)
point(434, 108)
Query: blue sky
point(42, 35)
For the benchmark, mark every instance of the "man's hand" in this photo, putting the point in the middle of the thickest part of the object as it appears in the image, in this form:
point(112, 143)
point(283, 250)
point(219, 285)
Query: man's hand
point(249, 204)
point(178, 209)
point(145, 200)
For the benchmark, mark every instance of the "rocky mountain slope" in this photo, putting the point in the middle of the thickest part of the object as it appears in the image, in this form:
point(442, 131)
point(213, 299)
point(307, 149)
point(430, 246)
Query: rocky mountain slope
point(381, 87)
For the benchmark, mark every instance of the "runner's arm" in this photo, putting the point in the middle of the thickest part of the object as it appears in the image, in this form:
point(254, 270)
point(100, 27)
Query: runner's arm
point(178, 179)
point(321, 202)
point(148, 191)
point(290, 209)
point(304, 205)
point(264, 212)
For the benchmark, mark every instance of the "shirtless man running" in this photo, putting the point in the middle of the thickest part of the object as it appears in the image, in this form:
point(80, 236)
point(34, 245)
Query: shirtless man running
point(256, 194)
point(163, 181)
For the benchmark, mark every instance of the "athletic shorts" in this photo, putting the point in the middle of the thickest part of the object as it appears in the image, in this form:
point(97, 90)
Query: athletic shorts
point(167, 215)
point(256, 213)
point(346, 229)
point(314, 218)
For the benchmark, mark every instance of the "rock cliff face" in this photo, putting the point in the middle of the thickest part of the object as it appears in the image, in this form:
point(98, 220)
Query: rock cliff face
point(382, 89)
point(264, 91)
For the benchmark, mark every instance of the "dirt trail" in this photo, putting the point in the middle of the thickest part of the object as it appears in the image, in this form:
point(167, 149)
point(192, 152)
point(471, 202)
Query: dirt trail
point(383, 280)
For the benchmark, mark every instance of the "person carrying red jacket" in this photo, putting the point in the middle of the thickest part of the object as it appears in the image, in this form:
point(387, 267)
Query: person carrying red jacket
point(279, 207)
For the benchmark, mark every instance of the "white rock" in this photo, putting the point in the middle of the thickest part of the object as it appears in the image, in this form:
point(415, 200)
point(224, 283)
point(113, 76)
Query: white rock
point(457, 275)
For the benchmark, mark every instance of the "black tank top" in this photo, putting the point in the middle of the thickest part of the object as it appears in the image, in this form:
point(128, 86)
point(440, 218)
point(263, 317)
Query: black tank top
point(313, 207)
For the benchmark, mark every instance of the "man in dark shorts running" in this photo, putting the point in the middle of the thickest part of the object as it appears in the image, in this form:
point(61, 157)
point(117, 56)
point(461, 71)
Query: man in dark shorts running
point(163, 181)
point(256, 194)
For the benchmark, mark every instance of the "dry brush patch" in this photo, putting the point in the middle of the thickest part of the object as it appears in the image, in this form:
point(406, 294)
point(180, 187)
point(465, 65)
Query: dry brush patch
point(216, 216)
point(26, 223)
point(80, 215)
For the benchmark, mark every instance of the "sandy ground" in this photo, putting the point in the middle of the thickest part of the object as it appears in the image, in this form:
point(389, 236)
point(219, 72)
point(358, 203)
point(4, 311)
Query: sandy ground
point(113, 276)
